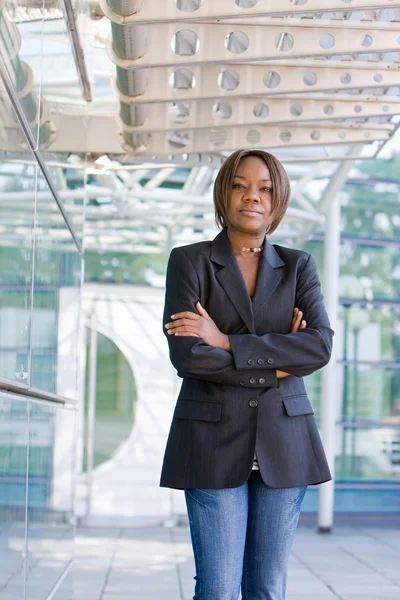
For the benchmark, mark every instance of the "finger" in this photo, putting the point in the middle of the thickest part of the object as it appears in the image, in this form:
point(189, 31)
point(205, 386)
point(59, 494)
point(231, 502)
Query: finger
point(297, 319)
point(303, 324)
point(202, 311)
point(184, 315)
point(182, 329)
point(185, 334)
point(180, 322)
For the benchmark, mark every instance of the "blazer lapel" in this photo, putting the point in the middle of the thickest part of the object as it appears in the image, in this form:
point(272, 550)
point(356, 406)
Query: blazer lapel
point(231, 279)
point(268, 277)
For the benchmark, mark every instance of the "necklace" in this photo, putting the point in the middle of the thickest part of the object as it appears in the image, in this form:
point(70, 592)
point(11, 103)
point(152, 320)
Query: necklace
point(244, 249)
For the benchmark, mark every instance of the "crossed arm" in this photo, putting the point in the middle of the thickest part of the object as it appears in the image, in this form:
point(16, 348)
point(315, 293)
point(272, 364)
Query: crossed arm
point(202, 351)
point(201, 325)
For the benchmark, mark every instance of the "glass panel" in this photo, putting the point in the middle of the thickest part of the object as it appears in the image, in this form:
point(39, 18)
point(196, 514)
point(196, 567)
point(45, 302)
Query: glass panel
point(369, 392)
point(68, 119)
point(13, 455)
point(20, 34)
point(17, 205)
point(50, 530)
point(56, 301)
point(368, 454)
point(367, 271)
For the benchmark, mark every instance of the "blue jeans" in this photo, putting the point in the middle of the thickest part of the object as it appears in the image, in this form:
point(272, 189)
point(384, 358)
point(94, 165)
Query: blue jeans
point(242, 539)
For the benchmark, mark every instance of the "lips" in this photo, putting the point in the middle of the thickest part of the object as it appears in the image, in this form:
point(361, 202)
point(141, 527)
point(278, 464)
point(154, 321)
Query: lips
point(250, 212)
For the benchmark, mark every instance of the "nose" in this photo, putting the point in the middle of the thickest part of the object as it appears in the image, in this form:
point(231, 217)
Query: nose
point(252, 195)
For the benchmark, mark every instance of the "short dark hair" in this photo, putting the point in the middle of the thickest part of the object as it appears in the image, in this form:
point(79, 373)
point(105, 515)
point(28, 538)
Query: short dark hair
point(224, 181)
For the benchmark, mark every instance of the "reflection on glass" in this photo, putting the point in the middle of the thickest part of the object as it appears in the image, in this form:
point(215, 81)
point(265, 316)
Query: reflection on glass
point(61, 90)
point(13, 451)
point(17, 204)
point(56, 297)
point(368, 454)
point(50, 528)
point(370, 392)
point(23, 61)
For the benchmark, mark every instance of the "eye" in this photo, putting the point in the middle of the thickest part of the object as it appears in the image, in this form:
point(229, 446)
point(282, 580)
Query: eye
point(267, 189)
point(238, 185)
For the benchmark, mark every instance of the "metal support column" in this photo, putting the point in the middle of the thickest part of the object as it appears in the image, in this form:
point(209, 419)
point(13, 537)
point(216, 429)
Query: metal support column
point(329, 374)
point(91, 412)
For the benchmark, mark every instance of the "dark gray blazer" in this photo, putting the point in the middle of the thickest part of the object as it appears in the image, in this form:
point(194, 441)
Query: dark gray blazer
point(231, 403)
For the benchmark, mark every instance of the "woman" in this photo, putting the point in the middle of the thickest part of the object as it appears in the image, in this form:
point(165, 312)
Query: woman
point(243, 442)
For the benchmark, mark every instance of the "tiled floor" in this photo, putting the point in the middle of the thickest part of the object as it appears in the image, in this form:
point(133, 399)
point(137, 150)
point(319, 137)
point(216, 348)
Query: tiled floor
point(357, 561)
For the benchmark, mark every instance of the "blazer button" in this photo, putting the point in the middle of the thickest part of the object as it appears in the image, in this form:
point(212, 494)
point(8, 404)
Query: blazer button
point(253, 403)
point(261, 380)
point(250, 361)
point(242, 382)
point(271, 361)
point(261, 361)
point(252, 380)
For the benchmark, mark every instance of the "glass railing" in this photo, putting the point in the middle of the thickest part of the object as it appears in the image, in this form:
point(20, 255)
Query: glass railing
point(37, 466)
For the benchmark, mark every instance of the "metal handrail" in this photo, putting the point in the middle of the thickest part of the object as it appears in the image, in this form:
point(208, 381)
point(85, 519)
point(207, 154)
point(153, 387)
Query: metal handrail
point(6, 385)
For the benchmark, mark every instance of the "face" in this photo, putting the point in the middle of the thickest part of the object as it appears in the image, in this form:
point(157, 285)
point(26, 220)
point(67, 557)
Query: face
point(250, 201)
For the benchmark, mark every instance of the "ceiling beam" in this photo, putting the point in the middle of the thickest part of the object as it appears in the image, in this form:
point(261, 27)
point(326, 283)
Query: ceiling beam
point(263, 136)
point(207, 43)
point(231, 112)
point(154, 11)
point(219, 81)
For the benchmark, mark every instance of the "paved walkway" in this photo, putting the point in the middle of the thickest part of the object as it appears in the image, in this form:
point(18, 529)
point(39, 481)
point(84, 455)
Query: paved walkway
point(358, 561)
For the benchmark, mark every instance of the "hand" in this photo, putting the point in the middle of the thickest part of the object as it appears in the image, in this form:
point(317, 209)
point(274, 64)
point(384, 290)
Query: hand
point(298, 323)
point(189, 324)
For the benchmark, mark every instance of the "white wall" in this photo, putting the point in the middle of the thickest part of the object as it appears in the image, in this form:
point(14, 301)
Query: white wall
point(126, 487)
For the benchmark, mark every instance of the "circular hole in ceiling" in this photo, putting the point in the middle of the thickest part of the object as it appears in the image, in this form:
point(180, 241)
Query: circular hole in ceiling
point(253, 137)
point(377, 77)
point(328, 109)
point(285, 136)
point(310, 78)
point(366, 41)
point(271, 79)
point(236, 42)
point(182, 79)
point(298, 2)
point(342, 135)
point(345, 78)
point(179, 112)
point(326, 41)
point(222, 110)
point(357, 108)
point(185, 43)
point(178, 139)
point(315, 135)
point(261, 110)
point(217, 137)
point(246, 3)
point(228, 80)
point(284, 42)
point(296, 110)
point(385, 108)
point(188, 5)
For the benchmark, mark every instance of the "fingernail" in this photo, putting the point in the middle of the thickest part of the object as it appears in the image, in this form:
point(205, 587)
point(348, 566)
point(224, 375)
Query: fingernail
point(172, 316)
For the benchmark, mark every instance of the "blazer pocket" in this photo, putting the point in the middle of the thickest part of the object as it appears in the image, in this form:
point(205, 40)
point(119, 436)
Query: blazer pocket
point(297, 405)
point(198, 410)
